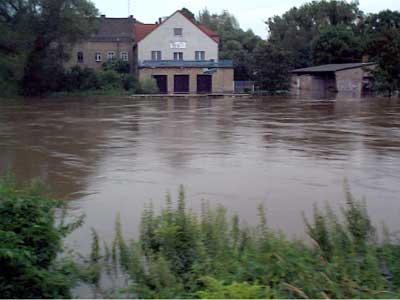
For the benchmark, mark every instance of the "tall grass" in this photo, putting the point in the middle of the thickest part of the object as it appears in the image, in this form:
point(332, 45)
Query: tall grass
point(180, 254)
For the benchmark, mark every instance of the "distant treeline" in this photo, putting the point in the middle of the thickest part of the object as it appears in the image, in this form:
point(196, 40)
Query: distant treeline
point(183, 255)
point(319, 32)
point(34, 36)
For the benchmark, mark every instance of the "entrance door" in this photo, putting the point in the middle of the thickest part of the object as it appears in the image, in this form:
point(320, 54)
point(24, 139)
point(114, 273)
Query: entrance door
point(181, 84)
point(162, 83)
point(204, 84)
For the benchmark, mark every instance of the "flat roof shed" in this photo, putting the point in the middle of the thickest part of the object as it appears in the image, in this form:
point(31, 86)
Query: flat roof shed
point(331, 68)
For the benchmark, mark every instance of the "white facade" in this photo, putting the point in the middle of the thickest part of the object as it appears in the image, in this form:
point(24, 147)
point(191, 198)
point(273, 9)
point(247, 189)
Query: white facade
point(165, 39)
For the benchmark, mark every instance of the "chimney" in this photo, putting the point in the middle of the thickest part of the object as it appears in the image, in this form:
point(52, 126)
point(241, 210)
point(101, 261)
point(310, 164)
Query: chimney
point(103, 16)
point(365, 58)
point(159, 20)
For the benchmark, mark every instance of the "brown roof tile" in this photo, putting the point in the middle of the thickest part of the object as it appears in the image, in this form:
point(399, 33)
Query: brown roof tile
point(113, 30)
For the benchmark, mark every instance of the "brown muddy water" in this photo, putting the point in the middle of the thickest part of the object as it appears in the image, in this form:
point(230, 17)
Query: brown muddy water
point(112, 155)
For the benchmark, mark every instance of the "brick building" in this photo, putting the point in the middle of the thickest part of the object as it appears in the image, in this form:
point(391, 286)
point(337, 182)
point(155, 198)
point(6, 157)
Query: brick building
point(114, 39)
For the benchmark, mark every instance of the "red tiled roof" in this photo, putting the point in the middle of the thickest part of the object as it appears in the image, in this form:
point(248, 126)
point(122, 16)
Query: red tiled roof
point(143, 30)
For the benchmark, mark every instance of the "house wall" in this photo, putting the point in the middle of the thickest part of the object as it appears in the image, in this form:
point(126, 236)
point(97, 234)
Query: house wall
point(161, 38)
point(89, 50)
point(350, 80)
point(222, 80)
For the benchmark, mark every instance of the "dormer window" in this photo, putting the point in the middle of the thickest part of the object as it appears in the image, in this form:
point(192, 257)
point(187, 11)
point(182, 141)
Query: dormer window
point(178, 32)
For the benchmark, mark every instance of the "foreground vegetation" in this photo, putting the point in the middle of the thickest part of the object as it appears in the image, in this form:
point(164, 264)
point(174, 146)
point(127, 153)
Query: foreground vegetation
point(180, 254)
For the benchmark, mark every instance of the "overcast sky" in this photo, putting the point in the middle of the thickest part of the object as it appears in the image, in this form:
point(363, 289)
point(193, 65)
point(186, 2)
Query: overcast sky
point(250, 13)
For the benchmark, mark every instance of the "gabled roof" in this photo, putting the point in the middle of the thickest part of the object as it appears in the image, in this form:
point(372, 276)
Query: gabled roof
point(331, 68)
point(114, 30)
point(143, 30)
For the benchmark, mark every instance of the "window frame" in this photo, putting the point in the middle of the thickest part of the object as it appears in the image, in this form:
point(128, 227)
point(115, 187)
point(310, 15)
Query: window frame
point(109, 56)
point(200, 55)
point(124, 56)
point(79, 57)
point(156, 55)
point(178, 29)
point(178, 56)
point(97, 56)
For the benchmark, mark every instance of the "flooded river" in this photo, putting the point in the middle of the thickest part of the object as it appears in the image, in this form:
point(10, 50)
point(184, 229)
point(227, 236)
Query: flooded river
point(112, 155)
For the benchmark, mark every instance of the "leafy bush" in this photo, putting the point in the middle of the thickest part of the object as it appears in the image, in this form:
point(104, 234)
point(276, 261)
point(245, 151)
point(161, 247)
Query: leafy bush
point(130, 83)
point(110, 80)
point(81, 79)
point(149, 86)
point(117, 65)
point(30, 241)
point(183, 255)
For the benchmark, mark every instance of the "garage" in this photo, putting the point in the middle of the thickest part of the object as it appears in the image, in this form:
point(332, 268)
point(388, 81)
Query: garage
point(181, 84)
point(162, 83)
point(204, 84)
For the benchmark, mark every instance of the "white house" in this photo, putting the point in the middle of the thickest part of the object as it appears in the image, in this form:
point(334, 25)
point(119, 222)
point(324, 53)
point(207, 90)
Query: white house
point(182, 56)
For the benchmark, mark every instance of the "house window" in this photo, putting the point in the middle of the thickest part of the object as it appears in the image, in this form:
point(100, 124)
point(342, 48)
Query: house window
point(98, 56)
point(178, 31)
point(178, 55)
point(156, 55)
point(80, 56)
point(110, 55)
point(124, 56)
point(200, 55)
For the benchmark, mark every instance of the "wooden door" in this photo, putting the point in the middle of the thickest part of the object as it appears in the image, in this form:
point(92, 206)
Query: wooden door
point(204, 84)
point(181, 84)
point(162, 83)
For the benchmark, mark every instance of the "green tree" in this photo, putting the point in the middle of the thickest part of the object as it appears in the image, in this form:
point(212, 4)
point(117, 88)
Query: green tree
point(235, 43)
point(382, 32)
point(336, 45)
point(39, 32)
point(385, 49)
point(295, 30)
point(188, 14)
point(271, 65)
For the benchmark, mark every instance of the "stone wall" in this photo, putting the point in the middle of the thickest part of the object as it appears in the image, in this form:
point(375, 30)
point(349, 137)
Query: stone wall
point(350, 80)
point(222, 80)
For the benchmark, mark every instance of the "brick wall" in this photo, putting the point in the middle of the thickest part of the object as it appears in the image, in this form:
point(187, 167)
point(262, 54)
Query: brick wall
point(89, 50)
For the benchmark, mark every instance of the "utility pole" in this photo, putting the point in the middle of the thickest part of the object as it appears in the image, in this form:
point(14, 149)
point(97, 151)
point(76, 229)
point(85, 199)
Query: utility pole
point(129, 7)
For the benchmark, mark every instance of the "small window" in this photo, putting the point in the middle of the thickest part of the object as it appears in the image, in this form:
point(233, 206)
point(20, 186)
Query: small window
point(80, 57)
point(178, 31)
point(200, 55)
point(178, 55)
point(124, 56)
point(98, 56)
point(110, 55)
point(156, 55)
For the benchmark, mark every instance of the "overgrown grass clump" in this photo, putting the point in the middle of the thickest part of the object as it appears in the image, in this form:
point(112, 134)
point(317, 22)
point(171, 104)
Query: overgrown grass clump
point(183, 255)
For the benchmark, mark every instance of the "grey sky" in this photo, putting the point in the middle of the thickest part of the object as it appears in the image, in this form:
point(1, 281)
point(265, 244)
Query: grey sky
point(250, 13)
